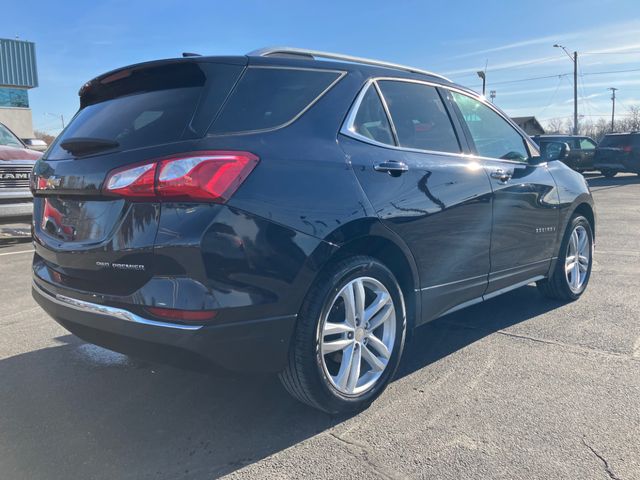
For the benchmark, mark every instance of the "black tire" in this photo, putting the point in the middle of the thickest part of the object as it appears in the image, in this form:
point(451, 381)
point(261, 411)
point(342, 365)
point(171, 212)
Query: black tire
point(305, 377)
point(609, 173)
point(557, 285)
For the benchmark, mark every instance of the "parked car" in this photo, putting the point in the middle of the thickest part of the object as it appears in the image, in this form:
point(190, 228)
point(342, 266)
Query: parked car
point(16, 163)
point(294, 211)
point(618, 152)
point(582, 148)
point(35, 144)
point(8, 138)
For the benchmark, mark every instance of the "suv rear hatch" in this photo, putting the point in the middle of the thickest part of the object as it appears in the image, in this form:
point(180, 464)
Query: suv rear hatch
point(92, 241)
point(619, 151)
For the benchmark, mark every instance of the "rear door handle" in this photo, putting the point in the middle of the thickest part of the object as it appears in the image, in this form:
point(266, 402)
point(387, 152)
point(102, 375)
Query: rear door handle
point(502, 175)
point(392, 167)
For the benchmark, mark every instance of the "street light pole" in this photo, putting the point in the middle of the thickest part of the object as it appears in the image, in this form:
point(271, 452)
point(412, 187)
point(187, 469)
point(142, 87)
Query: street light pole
point(60, 116)
point(574, 59)
point(483, 76)
point(613, 107)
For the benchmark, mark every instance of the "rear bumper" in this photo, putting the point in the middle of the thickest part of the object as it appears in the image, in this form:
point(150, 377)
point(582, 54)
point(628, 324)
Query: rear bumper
point(16, 210)
point(257, 345)
point(621, 165)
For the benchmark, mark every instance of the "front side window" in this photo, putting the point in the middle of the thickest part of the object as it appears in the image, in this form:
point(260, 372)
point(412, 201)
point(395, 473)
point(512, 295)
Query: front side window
point(587, 144)
point(492, 135)
point(419, 116)
point(371, 120)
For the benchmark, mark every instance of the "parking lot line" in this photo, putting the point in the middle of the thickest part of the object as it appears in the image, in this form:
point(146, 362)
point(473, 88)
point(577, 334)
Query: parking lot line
point(16, 253)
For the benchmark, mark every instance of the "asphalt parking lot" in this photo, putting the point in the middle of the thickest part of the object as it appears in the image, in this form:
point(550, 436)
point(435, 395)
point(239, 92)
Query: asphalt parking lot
point(518, 387)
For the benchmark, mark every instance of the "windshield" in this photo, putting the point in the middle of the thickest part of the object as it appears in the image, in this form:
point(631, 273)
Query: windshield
point(9, 139)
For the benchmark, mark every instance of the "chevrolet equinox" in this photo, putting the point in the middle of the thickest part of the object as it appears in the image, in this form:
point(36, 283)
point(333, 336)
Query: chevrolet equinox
point(296, 212)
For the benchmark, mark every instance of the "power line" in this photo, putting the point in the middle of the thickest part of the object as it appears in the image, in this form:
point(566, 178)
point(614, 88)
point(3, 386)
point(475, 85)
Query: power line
point(612, 71)
point(636, 52)
point(528, 79)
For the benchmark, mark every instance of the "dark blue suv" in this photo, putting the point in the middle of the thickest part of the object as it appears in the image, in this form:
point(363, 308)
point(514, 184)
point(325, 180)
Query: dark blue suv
point(296, 212)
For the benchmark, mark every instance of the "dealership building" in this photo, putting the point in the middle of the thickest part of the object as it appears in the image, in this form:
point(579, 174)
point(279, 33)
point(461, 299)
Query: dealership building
point(18, 74)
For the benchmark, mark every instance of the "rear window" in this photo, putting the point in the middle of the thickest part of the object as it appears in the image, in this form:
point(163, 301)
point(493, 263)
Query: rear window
point(619, 140)
point(269, 97)
point(151, 105)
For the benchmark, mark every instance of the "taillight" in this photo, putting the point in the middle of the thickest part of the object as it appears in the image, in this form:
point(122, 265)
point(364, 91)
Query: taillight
point(627, 149)
point(132, 181)
point(200, 176)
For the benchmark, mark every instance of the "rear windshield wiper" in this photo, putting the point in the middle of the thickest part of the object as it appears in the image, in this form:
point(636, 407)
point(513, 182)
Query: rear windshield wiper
point(87, 145)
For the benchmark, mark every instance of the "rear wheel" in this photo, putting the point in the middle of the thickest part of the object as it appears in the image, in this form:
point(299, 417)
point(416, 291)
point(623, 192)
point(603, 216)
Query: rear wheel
point(349, 337)
point(573, 268)
point(609, 173)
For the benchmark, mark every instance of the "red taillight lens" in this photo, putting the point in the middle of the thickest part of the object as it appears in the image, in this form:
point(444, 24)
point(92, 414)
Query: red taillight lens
point(626, 148)
point(137, 181)
point(200, 176)
point(182, 315)
point(212, 176)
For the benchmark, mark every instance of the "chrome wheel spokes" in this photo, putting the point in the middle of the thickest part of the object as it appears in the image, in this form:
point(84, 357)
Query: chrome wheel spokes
point(576, 265)
point(357, 335)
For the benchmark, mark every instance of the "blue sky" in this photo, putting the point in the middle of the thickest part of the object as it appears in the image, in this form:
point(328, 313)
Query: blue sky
point(77, 40)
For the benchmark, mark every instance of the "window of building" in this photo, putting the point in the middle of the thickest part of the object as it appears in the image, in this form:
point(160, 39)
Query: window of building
point(14, 97)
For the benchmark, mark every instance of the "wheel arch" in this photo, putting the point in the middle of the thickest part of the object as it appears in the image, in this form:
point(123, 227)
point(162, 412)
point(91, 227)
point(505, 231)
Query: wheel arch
point(586, 210)
point(397, 259)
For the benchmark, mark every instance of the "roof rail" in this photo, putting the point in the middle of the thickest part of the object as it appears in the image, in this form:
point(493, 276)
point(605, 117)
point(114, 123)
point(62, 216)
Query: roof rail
point(269, 51)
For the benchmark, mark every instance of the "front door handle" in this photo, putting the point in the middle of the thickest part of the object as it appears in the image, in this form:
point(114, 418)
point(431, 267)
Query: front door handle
point(392, 167)
point(502, 175)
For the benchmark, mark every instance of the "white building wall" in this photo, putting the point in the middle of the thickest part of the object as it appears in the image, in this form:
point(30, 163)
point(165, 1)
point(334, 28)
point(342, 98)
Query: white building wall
point(19, 120)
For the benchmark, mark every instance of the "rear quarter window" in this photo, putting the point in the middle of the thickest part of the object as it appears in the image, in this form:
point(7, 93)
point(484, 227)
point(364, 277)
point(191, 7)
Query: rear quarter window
point(269, 97)
point(615, 141)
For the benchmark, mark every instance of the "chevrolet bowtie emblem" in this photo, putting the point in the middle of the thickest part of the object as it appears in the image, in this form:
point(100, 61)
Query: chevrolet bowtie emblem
point(49, 183)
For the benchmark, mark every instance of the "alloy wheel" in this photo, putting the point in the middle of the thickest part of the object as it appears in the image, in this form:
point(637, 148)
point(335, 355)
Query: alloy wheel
point(578, 258)
point(357, 336)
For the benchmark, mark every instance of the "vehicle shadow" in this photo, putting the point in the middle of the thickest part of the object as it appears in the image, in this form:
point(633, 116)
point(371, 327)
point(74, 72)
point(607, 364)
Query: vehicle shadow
point(602, 183)
point(78, 411)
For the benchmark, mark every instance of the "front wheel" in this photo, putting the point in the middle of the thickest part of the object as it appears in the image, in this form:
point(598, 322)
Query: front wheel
point(349, 337)
point(573, 266)
point(609, 173)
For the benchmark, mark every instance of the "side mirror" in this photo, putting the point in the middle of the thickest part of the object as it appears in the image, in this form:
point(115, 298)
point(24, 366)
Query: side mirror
point(554, 151)
point(35, 144)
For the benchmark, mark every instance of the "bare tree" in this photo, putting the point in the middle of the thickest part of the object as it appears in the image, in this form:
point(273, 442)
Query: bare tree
point(556, 126)
point(44, 136)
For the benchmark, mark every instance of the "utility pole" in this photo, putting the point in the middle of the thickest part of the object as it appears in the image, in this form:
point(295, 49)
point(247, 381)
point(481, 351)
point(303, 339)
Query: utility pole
point(574, 59)
point(60, 116)
point(492, 94)
point(613, 107)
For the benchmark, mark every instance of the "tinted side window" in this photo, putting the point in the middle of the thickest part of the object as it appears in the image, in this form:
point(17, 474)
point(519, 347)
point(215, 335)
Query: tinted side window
point(270, 97)
point(615, 141)
point(371, 120)
point(586, 144)
point(419, 116)
point(493, 136)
